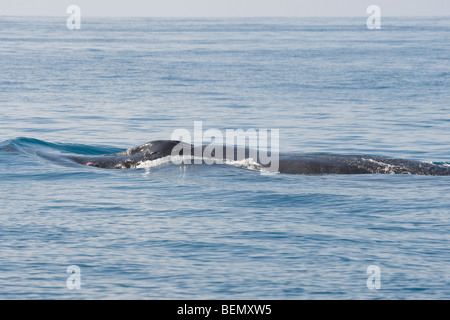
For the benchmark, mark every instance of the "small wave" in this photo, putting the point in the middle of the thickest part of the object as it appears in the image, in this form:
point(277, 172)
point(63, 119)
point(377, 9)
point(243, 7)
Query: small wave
point(20, 143)
point(444, 164)
point(30, 145)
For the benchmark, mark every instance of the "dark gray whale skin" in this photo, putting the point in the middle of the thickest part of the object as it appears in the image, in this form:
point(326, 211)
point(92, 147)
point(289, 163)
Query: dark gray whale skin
point(357, 164)
point(288, 163)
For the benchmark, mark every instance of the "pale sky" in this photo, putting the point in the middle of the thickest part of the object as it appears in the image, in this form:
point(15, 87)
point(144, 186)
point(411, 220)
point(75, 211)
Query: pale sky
point(226, 8)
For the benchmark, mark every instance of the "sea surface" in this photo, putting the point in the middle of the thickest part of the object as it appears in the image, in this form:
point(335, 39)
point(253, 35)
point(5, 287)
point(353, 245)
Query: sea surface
point(220, 231)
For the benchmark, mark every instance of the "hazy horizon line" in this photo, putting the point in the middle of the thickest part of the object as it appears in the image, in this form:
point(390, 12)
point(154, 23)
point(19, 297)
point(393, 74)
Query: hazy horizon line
point(225, 17)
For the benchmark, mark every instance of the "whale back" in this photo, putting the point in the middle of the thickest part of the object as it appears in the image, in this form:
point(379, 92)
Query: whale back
point(288, 163)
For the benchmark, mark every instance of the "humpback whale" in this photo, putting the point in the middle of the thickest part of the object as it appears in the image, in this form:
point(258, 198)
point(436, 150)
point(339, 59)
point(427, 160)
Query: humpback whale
point(313, 163)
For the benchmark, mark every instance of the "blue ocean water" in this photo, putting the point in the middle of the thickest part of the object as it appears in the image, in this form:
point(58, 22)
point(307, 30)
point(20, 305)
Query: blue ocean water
point(222, 232)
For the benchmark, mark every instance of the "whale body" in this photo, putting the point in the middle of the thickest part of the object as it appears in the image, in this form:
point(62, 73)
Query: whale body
point(287, 163)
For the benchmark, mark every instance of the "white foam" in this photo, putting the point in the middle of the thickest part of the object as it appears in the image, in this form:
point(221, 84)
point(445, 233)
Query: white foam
point(164, 161)
point(247, 163)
